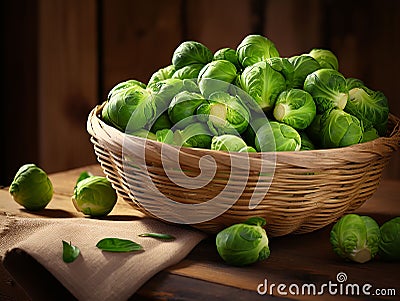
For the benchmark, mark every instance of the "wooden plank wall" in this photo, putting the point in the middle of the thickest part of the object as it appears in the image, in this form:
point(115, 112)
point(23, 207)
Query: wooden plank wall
point(64, 56)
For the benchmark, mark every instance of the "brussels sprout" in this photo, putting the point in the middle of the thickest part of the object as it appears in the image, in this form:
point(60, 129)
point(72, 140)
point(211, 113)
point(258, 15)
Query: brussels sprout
point(143, 134)
point(194, 135)
point(188, 72)
point(355, 238)
point(191, 52)
point(31, 187)
point(255, 48)
point(125, 84)
point(183, 105)
point(326, 58)
point(314, 130)
point(228, 54)
point(370, 107)
point(165, 135)
point(328, 89)
point(296, 108)
point(339, 128)
point(389, 246)
point(123, 101)
point(244, 243)
point(162, 122)
point(216, 76)
point(249, 134)
point(94, 196)
point(306, 142)
point(283, 66)
point(369, 135)
point(230, 143)
point(224, 114)
point(162, 74)
point(303, 65)
point(263, 84)
point(277, 136)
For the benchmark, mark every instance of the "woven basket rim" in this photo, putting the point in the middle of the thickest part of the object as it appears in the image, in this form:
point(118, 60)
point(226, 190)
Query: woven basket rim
point(392, 139)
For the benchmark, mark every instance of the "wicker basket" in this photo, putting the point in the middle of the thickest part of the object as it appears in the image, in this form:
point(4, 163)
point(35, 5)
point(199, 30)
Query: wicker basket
point(309, 189)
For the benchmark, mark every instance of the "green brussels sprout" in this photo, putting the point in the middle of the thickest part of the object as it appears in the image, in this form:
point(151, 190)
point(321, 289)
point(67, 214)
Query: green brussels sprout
point(303, 65)
point(389, 245)
point(162, 122)
point(306, 142)
point(183, 105)
point(326, 58)
point(249, 135)
point(370, 107)
point(195, 135)
point(228, 54)
point(255, 48)
point(328, 88)
point(339, 128)
point(125, 84)
point(152, 107)
point(355, 238)
point(277, 136)
point(230, 143)
point(296, 108)
point(283, 66)
point(31, 187)
point(143, 134)
point(244, 243)
point(216, 76)
point(189, 53)
point(369, 135)
point(263, 84)
point(188, 72)
point(224, 114)
point(123, 101)
point(162, 74)
point(94, 196)
point(165, 135)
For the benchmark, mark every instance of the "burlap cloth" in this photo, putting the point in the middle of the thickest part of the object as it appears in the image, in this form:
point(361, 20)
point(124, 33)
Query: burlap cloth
point(95, 274)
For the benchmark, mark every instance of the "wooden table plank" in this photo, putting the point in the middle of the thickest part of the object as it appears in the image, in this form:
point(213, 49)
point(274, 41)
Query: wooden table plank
point(295, 259)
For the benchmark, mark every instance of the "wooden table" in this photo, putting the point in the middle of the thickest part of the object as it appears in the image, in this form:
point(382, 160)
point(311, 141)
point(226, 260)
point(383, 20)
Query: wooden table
point(296, 261)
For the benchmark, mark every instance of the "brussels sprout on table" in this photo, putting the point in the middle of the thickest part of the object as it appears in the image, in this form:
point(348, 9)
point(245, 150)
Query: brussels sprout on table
point(224, 114)
point(328, 88)
point(244, 243)
point(230, 143)
point(339, 129)
point(325, 57)
point(31, 187)
point(94, 196)
point(370, 107)
point(389, 246)
point(255, 48)
point(296, 108)
point(355, 238)
point(261, 82)
point(277, 136)
point(191, 52)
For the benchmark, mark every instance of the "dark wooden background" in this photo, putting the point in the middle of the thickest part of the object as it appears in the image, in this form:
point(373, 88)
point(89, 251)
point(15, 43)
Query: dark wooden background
point(60, 57)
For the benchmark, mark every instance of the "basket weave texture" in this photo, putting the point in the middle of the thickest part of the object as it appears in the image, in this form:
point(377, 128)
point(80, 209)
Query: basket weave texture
point(309, 189)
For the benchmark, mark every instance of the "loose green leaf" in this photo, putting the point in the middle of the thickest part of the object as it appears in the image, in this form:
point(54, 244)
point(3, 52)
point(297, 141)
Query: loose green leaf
point(118, 245)
point(70, 252)
point(158, 235)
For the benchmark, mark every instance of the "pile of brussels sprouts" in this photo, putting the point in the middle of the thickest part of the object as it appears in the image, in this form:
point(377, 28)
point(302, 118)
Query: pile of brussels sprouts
point(241, 100)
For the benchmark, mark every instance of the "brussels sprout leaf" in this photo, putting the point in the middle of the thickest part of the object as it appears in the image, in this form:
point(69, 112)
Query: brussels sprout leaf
point(84, 175)
point(118, 245)
point(70, 252)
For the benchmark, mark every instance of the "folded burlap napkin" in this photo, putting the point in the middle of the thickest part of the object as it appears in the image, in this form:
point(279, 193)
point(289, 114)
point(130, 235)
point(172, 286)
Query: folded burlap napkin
point(95, 274)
